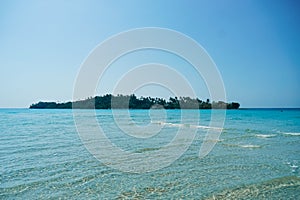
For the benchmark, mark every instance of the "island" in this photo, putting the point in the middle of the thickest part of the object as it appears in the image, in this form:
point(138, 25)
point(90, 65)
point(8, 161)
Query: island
point(109, 101)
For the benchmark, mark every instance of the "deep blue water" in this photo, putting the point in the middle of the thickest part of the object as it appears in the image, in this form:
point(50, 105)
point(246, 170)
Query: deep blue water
point(256, 157)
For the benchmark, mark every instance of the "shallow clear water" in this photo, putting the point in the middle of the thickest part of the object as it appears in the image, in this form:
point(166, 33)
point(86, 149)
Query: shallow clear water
point(257, 156)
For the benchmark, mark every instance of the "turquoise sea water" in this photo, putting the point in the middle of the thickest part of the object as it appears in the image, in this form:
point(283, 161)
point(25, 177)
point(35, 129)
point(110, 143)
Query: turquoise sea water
point(257, 157)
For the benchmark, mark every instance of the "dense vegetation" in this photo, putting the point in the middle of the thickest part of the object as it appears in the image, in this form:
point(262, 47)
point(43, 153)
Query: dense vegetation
point(109, 101)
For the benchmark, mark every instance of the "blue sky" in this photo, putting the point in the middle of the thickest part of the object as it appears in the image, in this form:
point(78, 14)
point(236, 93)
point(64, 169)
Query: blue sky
point(255, 44)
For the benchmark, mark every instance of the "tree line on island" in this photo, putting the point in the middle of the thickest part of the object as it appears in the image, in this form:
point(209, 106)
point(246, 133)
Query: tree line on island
point(109, 101)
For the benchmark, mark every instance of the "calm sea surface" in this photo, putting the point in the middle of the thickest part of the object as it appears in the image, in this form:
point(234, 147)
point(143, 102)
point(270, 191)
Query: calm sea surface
point(256, 157)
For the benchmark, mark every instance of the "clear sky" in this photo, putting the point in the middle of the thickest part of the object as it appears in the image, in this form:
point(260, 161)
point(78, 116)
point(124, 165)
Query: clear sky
point(254, 43)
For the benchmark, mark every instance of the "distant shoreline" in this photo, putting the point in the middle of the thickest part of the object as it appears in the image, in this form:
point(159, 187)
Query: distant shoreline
point(109, 101)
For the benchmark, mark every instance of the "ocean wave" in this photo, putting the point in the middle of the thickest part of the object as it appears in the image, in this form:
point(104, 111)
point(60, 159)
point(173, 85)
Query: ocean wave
point(265, 135)
point(209, 127)
point(293, 166)
point(146, 149)
point(186, 125)
point(292, 133)
point(249, 146)
point(248, 130)
point(272, 189)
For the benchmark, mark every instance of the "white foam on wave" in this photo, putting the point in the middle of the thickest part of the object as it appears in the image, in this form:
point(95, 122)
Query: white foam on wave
point(187, 125)
point(292, 133)
point(249, 146)
point(294, 166)
point(209, 127)
point(265, 135)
